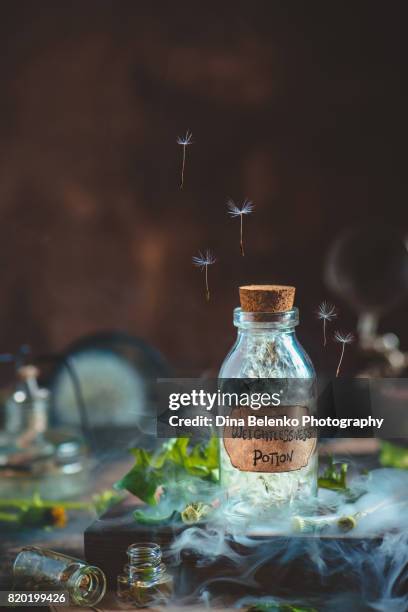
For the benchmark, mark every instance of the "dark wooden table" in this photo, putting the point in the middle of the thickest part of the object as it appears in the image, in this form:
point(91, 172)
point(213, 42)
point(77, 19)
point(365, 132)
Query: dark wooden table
point(70, 540)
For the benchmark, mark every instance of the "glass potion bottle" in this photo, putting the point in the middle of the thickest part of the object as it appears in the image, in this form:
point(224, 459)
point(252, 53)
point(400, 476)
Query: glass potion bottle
point(40, 569)
point(145, 581)
point(270, 468)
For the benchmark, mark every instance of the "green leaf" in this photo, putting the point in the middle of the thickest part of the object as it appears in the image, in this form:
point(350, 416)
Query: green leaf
point(203, 460)
point(149, 518)
point(392, 455)
point(334, 476)
point(141, 483)
point(106, 499)
point(173, 462)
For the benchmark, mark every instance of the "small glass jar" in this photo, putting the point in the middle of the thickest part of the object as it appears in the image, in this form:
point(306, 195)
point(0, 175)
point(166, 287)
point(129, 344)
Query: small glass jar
point(145, 580)
point(40, 569)
point(267, 348)
point(26, 419)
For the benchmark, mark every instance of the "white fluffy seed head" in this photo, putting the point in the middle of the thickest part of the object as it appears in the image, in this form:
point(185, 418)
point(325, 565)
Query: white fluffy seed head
point(326, 311)
point(343, 338)
point(235, 211)
point(204, 259)
point(185, 140)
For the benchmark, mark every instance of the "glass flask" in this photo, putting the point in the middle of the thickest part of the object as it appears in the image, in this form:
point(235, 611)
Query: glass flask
point(40, 569)
point(267, 348)
point(38, 458)
point(145, 580)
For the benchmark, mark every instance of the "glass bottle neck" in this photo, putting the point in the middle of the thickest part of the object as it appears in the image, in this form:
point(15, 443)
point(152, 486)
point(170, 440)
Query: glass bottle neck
point(145, 553)
point(272, 323)
point(86, 585)
point(145, 563)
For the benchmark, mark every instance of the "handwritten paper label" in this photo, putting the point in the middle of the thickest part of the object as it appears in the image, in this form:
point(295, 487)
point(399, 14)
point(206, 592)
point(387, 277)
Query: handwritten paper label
point(270, 448)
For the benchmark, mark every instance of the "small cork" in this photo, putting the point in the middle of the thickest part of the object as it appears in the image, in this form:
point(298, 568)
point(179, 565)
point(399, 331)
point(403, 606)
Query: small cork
point(28, 371)
point(266, 298)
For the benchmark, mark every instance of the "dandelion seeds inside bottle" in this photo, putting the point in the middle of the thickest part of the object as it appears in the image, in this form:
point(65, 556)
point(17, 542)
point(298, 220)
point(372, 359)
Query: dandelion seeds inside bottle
point(267, 468)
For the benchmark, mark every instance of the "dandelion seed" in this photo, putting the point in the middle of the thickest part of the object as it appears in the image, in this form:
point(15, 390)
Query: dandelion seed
point(343, 339)
point(184, 142)
point(234, 210)
point(203, 261)
point(326, 312)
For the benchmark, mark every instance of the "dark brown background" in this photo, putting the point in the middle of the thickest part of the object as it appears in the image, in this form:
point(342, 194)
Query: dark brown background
point(298, 106)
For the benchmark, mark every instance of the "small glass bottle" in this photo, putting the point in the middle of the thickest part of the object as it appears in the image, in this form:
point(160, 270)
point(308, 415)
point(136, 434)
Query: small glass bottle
point(145, 580)
point(26, 418)
point(40, 569)
point(267, 348)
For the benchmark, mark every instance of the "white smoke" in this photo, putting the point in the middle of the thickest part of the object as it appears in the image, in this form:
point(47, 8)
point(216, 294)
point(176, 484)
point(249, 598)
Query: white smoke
point(332, 571)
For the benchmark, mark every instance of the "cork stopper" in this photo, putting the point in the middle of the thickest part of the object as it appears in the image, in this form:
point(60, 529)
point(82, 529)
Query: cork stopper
point(266, 298)
point(28, 371)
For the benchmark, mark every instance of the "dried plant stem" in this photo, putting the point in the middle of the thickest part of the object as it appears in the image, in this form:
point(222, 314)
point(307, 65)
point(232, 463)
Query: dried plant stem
point(344, 522)
point(183, 166)
point(241, 244)
point(343, 339)
point(184, 141)
point(202, 262)
point(235, 211)
point(326, 312)
point(341, 359)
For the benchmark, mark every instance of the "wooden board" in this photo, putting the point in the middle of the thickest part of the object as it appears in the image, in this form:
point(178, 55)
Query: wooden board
point(107, 539)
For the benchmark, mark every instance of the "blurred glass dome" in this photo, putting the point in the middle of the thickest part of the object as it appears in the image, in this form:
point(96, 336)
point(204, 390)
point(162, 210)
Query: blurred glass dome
point(368, 268)
point(116, 374)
